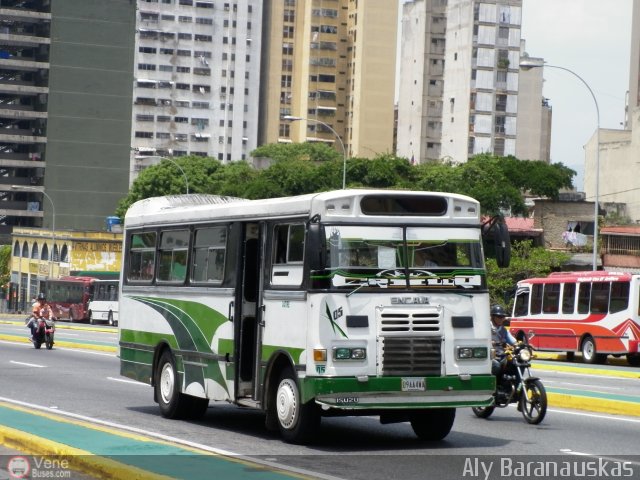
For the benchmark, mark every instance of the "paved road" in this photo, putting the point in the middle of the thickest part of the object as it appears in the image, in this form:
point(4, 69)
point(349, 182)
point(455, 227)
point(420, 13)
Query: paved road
point(345, 447)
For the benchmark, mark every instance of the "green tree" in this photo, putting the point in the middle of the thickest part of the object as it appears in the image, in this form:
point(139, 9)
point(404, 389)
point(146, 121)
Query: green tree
point(166, 178)
point(5, 267)
point(498, 183)
point(314, 151)
point(526, 262)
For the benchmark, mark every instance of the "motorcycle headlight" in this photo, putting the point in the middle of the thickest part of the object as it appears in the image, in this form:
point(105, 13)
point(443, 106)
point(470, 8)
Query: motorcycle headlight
point(525, 355)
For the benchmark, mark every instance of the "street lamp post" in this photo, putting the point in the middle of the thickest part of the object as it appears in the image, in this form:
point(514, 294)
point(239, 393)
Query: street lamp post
point(527, 64)
point(27, 188)
point(291, 118)
point(184, 175)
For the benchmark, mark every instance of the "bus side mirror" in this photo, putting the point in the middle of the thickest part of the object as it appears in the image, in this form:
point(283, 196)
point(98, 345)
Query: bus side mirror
point(503, 244)
point(316, 246)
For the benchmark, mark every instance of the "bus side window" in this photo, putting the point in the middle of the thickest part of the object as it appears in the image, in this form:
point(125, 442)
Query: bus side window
point(287, 254)
point(600, 297)
point(568, 297)
point(551, 298)
point(521, 308)
point(536, 299)
point(142, 250)
point(173, 252)
point(584, 297)
point(619, 297)
point(209, 253)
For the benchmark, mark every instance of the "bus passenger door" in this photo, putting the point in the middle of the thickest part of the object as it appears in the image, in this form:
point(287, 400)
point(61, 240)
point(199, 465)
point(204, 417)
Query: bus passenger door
point(247, 295)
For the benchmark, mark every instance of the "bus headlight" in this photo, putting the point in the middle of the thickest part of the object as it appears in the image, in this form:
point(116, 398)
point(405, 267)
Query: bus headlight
point(475, 353)
point(349, 353)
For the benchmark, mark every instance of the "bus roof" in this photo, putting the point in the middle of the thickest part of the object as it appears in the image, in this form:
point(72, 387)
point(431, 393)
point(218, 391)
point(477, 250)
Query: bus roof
point(334, 205)
point(582, 276)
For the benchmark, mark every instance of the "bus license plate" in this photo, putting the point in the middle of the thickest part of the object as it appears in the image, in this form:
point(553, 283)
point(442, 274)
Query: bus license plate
point(413, 385)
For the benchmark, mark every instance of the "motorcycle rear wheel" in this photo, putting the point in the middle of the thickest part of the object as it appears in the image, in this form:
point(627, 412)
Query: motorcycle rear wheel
point(483, 412)
point(533, 402)
point(48, 341)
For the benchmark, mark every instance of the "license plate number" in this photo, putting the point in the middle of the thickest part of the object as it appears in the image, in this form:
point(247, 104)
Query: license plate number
point(413, 385)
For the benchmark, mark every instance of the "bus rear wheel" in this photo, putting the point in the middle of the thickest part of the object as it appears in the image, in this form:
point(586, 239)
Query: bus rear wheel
point(173, 403)
point(433, 424)
point(297, 421)
point(633, 359)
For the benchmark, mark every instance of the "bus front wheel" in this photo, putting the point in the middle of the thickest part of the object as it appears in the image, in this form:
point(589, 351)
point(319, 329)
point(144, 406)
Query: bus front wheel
point(173, 404)
point(433, 424)
point(589, 352)
point(297, 422)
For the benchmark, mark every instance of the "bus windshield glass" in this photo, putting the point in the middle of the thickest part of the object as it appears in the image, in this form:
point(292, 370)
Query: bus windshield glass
point(415, 257)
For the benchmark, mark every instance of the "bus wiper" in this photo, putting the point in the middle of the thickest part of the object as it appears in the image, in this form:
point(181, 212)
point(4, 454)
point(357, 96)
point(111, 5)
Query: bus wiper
point(370, 282)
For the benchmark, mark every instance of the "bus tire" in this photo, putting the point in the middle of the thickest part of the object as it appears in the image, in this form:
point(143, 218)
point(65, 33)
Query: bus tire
point(633, 359)
point(432, 424)
point(297, 422)
point(173, 403)
point(197, 407)
point(589, 352)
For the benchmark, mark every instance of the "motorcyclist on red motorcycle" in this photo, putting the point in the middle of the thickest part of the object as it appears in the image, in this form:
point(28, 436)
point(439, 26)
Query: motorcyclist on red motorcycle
point(41, 309)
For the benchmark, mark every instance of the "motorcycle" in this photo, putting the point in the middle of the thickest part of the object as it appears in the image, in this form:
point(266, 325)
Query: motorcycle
point(518, 386)
point(44, 333)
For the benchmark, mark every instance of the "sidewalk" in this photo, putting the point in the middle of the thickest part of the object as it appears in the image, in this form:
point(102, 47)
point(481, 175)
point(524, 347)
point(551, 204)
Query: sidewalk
point(120, 455)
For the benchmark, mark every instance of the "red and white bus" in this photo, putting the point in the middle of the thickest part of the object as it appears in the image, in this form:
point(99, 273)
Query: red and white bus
point(69, 297)
point(595, 313)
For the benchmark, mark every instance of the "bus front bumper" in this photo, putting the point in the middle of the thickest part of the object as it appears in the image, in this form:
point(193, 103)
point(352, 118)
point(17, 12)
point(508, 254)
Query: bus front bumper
point(398, 392)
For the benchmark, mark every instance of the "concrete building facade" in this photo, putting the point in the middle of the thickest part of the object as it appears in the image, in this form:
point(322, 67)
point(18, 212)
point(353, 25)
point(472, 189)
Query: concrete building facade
point(74, 251)
point(197, 77)
point(619, 153)
point(65, 111)
point(533, 136)
point(331, 63)
point(459, 82)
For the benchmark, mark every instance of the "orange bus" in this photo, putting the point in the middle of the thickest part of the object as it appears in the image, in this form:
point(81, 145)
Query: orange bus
point(595, 313)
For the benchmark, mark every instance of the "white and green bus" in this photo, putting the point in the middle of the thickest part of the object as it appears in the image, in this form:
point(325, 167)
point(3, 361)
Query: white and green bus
point(351, 302)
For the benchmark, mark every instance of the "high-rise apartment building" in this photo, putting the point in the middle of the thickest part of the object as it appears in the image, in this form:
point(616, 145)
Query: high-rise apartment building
point(197, 77)
point(633, 101)
point(458, 86)
point(331, 63)
point(65, 111)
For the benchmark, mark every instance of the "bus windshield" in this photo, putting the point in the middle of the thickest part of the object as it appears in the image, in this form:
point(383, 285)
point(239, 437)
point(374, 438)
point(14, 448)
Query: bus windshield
point(398, 256)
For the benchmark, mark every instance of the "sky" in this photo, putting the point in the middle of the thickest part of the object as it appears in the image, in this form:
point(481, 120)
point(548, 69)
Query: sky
point(593, 39)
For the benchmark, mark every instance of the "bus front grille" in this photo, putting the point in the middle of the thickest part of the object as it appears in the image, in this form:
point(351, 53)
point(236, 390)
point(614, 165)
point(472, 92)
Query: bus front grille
point(418, 322)
point(402, 356)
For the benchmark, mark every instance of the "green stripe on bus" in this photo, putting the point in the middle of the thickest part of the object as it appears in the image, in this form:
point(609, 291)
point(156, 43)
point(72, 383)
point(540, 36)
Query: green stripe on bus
point(147, 338)
point(315, 386)
point(194, 326)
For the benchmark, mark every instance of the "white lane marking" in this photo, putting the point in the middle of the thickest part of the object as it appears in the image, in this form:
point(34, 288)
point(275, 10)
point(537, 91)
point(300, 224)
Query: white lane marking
point(124, 380)
point(27, 364)
point(596, 415)
point(179, 441)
